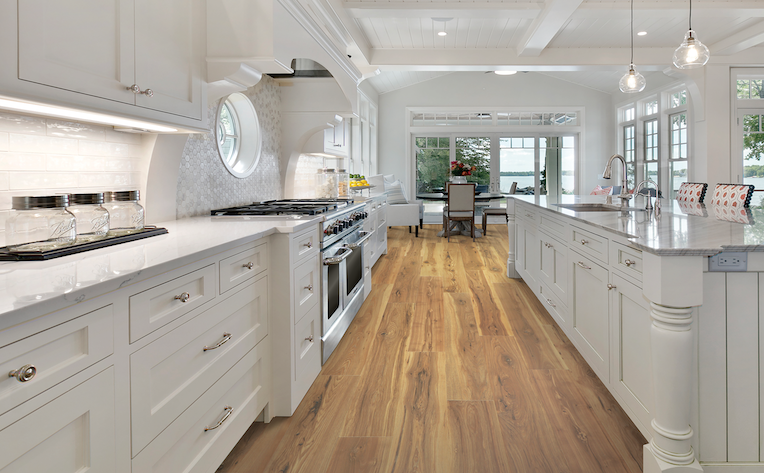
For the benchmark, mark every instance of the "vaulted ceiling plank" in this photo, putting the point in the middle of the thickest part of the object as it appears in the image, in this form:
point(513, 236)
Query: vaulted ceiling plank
point(555, 15)
point(740, 41)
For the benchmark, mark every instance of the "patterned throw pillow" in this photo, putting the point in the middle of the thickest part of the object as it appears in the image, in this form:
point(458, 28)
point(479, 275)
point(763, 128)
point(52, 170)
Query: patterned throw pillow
point(732, 195)
point(692, 192)
point(395, 194)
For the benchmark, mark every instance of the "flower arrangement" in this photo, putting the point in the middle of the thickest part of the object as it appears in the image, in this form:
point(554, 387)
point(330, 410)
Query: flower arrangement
point(458, 168)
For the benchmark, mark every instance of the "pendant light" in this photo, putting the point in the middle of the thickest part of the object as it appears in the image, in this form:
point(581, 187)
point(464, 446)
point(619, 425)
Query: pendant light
point(632, 81)
point(691, 53)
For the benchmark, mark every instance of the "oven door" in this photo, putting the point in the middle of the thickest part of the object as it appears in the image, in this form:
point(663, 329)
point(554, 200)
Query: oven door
point(333, 283)
point(354, 264)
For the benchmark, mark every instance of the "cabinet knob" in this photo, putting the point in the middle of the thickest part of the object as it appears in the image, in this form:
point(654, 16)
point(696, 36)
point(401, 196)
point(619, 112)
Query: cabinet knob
point(24, 374)
point(548, 245)
point(584, 242)
point(610, 286)
point(581, 263)
point(529, 215)
point(249, 265)
point(309, 338)
point(629, 262)
point(137, 90)
point(228, 410)
point(309, 287)
point(551, 303)
point(183, 297)
point(226, 337)
point(308, 245)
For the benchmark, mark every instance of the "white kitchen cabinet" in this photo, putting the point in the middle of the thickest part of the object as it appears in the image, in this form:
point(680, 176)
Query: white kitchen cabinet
point(376, 222)
point(337, 138)
point(590, 311)
point(87, 53)
point(74, 432)
point(553, 265)
point(528, 245)
point(245, 263)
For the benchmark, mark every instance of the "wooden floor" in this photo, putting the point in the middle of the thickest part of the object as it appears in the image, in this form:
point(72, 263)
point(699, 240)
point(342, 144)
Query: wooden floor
point(448, 367)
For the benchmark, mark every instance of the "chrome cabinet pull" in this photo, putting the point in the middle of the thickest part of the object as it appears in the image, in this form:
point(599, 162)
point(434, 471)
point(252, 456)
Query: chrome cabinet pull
point(584, 242)
point(228, 410)
point(226, 337)
point(339, 257)
point(610, 286)
point(551, 303)
point(529, 215)
point(183, 297)
point(548, 245)
point(629, 262)
point(581, 263)
point(309, 287)
point(309, 338)
point(249, 265)
point(24, 374)
point(308, 244)
point(137, 90)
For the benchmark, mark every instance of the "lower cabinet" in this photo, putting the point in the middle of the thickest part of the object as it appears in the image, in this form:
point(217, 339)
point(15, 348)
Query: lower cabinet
point(73, 433)
point(528, 246)
point(553, 265)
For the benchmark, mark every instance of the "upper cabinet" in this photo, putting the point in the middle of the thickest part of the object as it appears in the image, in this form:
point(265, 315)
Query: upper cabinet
point(88, 53)
point(337, 138)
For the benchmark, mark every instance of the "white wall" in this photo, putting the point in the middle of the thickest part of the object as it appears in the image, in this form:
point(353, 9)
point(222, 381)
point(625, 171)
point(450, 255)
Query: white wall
point(478, 89)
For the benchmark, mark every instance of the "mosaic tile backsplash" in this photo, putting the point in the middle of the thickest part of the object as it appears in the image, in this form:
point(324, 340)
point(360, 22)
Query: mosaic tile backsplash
point(203, 181)
point(43, 156)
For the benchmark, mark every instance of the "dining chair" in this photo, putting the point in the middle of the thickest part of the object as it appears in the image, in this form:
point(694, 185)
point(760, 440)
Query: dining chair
point(692, 192)
point(732, 195)
point(461, 207)
point(513, 188)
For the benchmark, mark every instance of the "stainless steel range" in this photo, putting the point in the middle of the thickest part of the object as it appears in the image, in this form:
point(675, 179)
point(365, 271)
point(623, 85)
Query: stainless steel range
point(342, 240)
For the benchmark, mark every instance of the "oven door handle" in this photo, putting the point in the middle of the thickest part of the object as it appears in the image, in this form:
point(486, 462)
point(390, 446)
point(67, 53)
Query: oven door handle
point(366, 236)
point(339, 257)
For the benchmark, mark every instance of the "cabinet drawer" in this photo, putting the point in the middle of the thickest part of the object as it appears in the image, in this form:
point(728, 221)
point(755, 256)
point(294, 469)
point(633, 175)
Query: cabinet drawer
point(243, 266)
point(169, 374)
point(305, 243)
point(56, 353)
point(307, 350)
point(382, 215)
point(627, 260)
point(554, 305)
point(526, 213)
point(73, 433)
point(307, 281)
point(164, 303)
point(551, 225)
point(589, 243)
point(186, 446)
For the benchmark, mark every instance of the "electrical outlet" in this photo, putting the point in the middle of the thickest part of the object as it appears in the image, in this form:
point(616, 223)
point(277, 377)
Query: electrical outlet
point(728, 261)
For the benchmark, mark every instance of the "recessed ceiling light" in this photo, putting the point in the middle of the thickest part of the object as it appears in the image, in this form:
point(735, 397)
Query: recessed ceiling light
point(505, 73)
point(442, 33)
point(642, 33)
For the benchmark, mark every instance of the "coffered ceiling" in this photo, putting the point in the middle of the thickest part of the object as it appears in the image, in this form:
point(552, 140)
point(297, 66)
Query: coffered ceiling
point(550, 36)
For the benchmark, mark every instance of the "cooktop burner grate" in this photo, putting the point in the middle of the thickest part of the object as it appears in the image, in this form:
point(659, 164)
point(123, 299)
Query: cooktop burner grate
point(285, 207)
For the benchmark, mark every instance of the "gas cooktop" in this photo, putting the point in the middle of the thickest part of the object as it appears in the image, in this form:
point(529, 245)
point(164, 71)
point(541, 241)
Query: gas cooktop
point(286, 207)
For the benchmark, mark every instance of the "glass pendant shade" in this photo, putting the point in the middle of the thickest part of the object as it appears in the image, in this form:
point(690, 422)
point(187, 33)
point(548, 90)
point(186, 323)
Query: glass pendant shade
point(691, 53)
point(632, 82)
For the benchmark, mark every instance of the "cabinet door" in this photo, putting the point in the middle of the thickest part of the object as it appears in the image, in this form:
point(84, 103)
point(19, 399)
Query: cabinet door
point(590, 312)
point(84, 46)
point(631, 364)
point(167, 52)
point(531, 258)
point(553, 265)
point(73, 433)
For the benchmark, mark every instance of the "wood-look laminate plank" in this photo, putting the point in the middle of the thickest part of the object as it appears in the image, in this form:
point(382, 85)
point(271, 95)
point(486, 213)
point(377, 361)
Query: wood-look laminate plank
point(351, 355)
point(537, 308)
point(538, 350)
point(489, 317)
point(255, 448)
point(406, 284)
point(466, 369)
point(529, 437)
point(493, 264)
point(581, 437)
point(372, 408)
point(420, 432)
point(431, 260)
point(451, 271)
point(360, 455)
point(472, 259)
point(428, 332)
point(386, 269)
point(310, 438)
point(476, 442)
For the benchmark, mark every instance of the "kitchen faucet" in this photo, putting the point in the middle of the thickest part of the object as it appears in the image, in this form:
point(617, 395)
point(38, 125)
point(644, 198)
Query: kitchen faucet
point(649, 204)
point(607, 173)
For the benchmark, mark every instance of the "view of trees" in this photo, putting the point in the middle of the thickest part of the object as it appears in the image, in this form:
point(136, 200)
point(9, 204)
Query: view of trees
point(475, 152)
point(432, 163)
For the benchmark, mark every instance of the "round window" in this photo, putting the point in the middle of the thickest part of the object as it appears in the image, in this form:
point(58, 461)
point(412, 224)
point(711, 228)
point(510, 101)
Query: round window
point(237, 133)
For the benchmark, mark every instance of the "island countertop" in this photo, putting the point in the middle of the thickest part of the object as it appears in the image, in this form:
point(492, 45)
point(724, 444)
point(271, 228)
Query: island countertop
point(678, 230)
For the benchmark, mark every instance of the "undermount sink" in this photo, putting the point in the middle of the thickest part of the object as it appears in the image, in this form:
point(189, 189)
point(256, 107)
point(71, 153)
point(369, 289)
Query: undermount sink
point(598, 208)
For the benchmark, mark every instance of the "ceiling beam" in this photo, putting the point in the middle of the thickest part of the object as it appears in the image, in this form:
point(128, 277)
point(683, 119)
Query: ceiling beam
point(442, 9)
point(740, 41)
point(546, 26)
point(360, 44)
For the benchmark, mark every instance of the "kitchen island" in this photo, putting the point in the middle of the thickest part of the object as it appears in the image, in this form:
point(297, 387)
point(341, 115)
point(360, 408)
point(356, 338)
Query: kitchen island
point(676, 344)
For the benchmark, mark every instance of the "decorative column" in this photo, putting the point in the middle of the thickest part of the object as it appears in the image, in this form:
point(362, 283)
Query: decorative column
point(511, 227)
point(673, 285)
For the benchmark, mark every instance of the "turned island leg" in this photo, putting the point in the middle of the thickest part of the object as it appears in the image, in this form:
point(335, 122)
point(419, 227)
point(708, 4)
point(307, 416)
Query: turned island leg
point(511, 228)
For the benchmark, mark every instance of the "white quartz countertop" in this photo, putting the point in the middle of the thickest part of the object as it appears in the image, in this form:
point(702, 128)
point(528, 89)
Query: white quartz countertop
point(677, 231)
point(48, 285)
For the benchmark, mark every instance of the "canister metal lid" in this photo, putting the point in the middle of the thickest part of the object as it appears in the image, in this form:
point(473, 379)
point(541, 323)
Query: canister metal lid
point(80, 199)
point(121, 196)
point(26, 202)
point(342, 170)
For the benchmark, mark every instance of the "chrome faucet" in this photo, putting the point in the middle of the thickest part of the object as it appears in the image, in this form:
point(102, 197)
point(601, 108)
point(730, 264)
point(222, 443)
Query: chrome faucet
point(649, 204)
point(607, 174)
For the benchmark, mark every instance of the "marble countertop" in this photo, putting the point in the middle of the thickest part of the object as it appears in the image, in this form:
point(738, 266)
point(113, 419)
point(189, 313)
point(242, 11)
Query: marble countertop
point(678, 230)
point(48, 285)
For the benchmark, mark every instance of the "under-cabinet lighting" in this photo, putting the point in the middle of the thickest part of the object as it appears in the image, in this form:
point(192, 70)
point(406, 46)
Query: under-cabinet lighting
point(442, 33)
point(505, 73)
point(81, 115)
point(642, 33)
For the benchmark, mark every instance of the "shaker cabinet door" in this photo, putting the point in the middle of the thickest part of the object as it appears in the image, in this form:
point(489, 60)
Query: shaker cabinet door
point(85, 46)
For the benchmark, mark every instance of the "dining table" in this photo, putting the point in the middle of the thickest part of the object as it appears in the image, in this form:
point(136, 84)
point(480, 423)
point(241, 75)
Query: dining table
point(461, 227)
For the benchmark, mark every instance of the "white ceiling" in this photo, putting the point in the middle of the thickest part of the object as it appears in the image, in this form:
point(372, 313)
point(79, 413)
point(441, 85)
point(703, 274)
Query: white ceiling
point(588, 37)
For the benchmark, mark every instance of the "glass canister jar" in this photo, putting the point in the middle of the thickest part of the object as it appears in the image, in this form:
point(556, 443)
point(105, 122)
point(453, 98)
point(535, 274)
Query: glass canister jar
point(92, 217)
point(343, 183)
point(40, 223)
point(326, 184)
point(125, 213)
